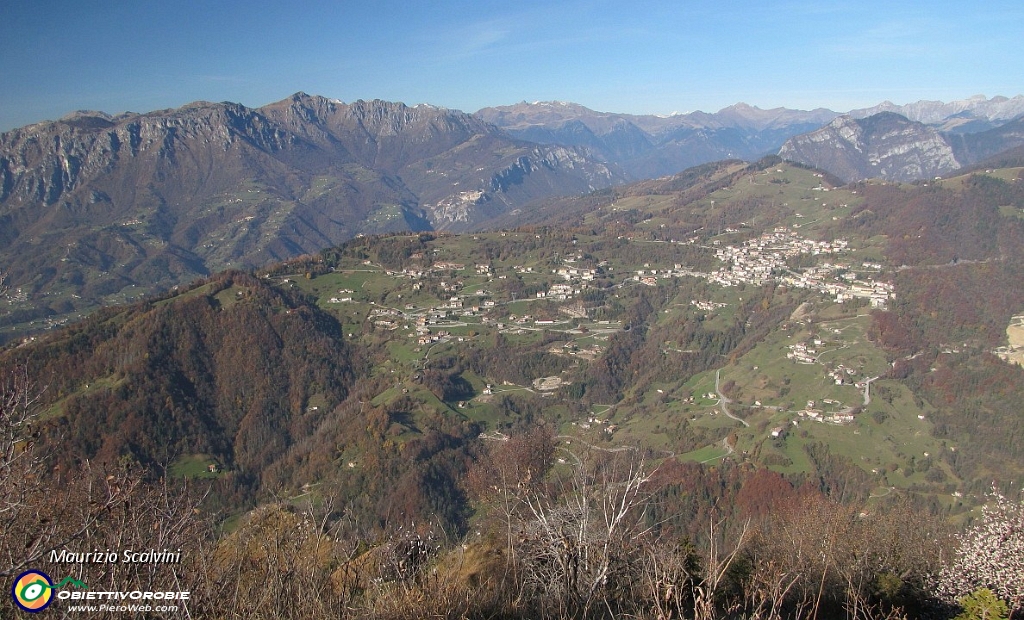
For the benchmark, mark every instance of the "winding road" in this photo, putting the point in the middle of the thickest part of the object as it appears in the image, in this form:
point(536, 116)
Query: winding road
point(722, 400)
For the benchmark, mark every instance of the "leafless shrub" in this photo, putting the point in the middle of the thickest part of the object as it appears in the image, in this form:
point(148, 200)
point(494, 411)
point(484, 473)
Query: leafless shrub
point(581, 536)
point(41, 509)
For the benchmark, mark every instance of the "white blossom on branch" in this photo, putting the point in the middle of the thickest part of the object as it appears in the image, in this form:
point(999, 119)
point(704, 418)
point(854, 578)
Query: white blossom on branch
point(990, 555)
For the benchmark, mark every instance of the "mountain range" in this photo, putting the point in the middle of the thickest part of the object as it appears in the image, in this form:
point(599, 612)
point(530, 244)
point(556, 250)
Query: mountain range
point(974, 114)
point(98, 208)
point(932, 138)
point(647, 146)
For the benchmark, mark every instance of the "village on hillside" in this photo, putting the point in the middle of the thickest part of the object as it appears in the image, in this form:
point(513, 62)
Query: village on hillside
point(442, 300)
point(754, 262)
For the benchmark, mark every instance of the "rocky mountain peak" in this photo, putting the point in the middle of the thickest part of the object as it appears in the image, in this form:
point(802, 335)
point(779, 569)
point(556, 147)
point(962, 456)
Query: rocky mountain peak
point(88, 119)
point(304, 116)
point(885, 145)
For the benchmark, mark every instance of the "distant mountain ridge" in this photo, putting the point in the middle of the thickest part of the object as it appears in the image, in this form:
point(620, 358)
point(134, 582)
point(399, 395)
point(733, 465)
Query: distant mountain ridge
point(551, 113)
point(647, 146)
point(973, 112)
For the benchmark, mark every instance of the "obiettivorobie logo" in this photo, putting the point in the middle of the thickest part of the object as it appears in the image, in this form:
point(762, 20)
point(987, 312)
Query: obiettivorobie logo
point(33, 590)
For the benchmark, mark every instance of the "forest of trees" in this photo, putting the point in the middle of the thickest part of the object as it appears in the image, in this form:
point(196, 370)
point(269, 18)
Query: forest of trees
point(952, 309)
point(605, 535)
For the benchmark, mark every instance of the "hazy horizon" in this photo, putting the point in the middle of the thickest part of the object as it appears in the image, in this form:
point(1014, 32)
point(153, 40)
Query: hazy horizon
point(650, 58)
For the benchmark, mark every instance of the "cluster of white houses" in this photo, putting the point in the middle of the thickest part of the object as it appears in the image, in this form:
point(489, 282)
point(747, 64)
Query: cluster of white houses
point(841, 374)
point(575, 273)
point(705, 305)
point(763, 259)
point(560, 292)
point(803, 353)
point(845, 288)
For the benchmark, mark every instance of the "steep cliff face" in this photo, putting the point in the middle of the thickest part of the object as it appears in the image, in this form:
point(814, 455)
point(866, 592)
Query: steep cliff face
point(539, 172)
point(885, 145)
point(378, 134)
point(92, 205)
point(48, 161)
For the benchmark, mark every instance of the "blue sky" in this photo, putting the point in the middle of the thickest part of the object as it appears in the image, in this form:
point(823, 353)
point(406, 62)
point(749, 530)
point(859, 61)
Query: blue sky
point(637, 57)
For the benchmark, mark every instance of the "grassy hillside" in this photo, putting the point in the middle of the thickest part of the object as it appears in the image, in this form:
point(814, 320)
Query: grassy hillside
point(631, 363)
